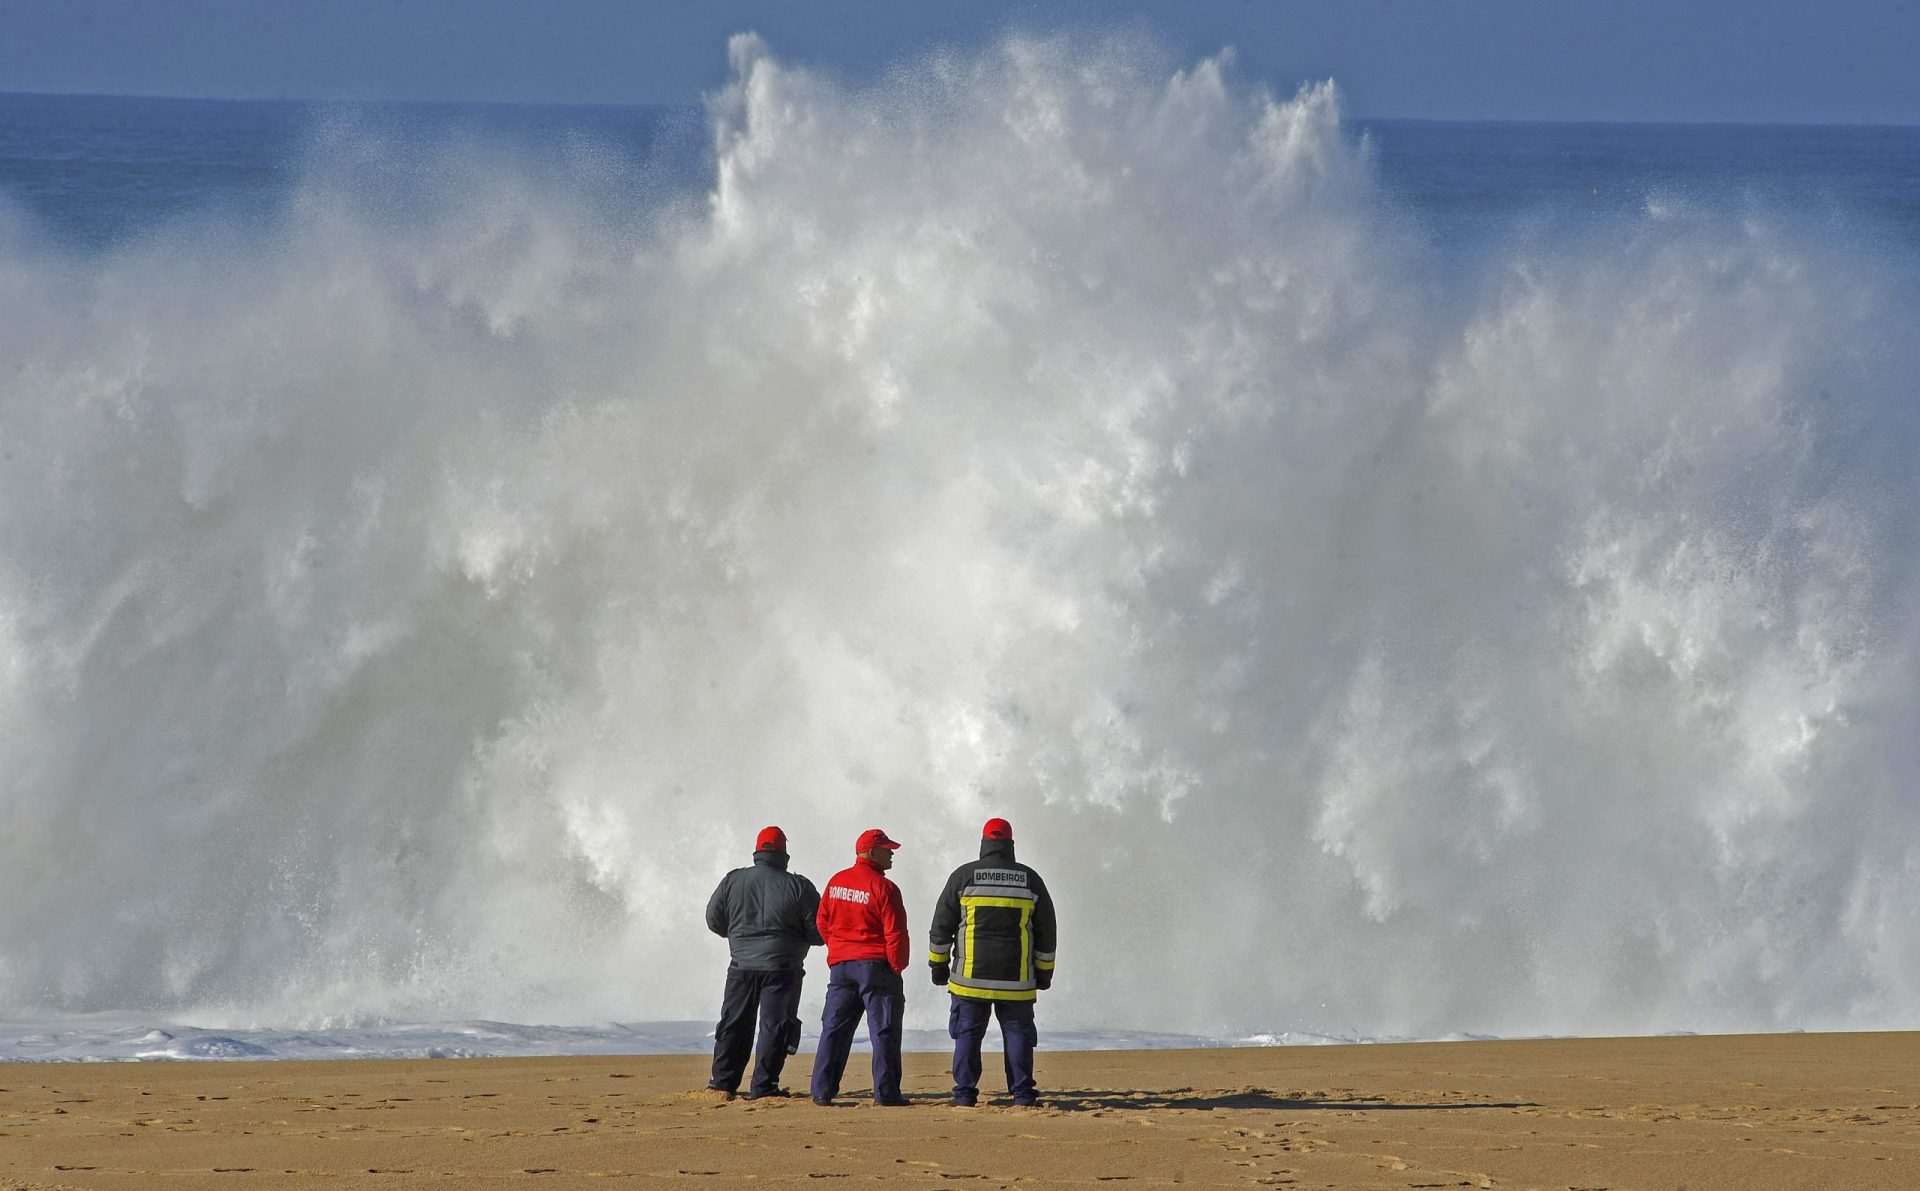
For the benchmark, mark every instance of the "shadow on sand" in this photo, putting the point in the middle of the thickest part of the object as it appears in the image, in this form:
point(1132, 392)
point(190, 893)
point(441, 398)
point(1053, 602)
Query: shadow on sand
point(1101, 1100)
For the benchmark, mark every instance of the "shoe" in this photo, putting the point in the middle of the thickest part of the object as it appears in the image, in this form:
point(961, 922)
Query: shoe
point(1029, 1102)
point(770, 1094)
point(824, 1101)
point(896, 1102)
point(964, 1102)
point(723, 1093)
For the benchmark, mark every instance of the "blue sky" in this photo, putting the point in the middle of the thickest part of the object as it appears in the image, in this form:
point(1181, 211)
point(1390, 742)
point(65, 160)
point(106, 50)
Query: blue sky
point(1849, 61)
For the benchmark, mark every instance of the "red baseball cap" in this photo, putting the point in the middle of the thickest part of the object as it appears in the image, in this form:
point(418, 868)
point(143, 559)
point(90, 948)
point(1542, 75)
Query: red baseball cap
point(873, 838)
point(997, 829)
point(771, 839)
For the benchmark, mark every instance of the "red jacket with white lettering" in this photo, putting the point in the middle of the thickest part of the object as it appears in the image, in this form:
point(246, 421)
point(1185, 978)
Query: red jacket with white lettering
point(862, 917)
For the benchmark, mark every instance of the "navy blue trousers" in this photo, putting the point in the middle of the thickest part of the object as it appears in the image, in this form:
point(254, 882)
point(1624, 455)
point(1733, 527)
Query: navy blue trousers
point(967, 1026)
point(775, 997)
point(868, 985)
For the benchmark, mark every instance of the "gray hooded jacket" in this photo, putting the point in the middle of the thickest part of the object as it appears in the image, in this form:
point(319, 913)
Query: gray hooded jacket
point(766, 914)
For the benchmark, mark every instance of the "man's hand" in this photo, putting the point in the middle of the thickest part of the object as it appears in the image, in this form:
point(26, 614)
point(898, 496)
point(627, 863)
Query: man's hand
point(1043, 978)
point(940, 973)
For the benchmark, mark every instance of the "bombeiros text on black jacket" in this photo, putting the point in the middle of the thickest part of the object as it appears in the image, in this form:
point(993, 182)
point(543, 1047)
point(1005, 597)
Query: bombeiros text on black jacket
point(993, 928)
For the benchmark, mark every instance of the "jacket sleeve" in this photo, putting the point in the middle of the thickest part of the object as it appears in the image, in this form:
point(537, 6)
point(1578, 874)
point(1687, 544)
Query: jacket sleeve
point(893, 923)
point(1044, 927)
point(946, 923)
point(717, 907)
point(810, 913)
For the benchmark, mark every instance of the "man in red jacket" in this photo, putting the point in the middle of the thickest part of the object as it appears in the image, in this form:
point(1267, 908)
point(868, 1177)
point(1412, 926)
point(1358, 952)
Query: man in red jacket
point(865, 925)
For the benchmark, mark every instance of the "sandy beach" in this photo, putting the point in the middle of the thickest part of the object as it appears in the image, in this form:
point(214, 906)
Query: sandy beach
point(1769, 1111)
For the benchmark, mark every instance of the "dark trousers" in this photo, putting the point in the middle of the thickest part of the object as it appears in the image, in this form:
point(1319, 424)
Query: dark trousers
point(775, 996)
point(858, 985)
point(967, 1026)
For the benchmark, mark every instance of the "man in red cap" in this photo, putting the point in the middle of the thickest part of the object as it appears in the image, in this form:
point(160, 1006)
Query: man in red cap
point(992, 946)
point(768, 916)
point(865, 925)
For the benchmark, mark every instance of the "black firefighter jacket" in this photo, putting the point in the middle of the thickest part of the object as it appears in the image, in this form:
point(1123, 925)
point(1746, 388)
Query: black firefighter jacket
point(993, 928)
point(766, 913)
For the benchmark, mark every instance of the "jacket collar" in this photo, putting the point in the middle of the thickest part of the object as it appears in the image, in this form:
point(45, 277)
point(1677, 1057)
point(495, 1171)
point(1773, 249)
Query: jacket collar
point(997, 849)
point(771, 859)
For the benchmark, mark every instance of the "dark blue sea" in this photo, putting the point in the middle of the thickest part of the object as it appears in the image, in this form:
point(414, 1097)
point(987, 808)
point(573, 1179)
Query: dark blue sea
point(91, 172)
point(1400, 579)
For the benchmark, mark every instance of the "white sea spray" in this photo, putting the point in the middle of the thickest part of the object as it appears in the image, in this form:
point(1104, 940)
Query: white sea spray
point(409, 610)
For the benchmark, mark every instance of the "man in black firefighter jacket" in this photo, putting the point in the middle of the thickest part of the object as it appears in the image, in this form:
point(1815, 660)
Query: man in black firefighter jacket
point(993, 935)
point(767, 916)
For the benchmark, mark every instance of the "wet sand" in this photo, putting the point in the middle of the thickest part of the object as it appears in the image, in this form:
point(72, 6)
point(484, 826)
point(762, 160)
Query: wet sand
point(1772, 1111)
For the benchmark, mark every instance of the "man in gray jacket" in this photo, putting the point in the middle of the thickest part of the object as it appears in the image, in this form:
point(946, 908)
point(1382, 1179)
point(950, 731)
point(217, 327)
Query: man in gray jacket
point(767, 916)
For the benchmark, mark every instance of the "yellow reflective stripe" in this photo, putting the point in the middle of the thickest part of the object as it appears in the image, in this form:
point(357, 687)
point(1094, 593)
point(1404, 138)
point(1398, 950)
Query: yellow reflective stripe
point(938, 957)
point(1045, 965)
point(1024, 905)
point(991, 994)
point(1026, 940)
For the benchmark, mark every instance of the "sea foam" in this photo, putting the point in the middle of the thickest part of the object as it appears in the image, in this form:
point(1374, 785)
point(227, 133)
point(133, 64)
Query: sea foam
point(411, 606)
